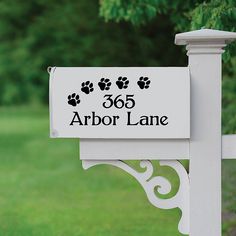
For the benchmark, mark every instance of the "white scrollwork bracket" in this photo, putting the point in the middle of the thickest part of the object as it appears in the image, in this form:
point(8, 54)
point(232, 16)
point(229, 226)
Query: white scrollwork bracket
point(159, 184)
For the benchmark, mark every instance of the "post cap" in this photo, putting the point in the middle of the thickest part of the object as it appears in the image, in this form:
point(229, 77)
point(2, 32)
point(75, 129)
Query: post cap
point(204, 36)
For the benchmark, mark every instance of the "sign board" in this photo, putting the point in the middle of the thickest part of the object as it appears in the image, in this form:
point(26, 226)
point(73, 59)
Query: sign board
point(120, 102)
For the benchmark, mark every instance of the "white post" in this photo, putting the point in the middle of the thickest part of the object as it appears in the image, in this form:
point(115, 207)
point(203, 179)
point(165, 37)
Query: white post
point(204, 51)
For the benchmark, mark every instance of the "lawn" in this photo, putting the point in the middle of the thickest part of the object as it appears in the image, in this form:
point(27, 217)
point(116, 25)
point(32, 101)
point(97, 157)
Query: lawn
point(45, 192)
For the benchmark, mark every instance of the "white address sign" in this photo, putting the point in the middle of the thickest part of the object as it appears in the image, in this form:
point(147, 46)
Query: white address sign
point(120, 102)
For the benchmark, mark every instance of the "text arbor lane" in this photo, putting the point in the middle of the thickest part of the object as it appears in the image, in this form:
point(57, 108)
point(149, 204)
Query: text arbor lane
point(122, 102)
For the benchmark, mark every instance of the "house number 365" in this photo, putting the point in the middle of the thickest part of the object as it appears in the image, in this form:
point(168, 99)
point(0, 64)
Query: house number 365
point(119, 102)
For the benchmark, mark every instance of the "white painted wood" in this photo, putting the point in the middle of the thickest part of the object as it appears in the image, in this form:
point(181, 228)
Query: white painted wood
point(132, 149)
point(229, 146)
point(205, 145)
point(108, 149)
point(204, 51)
point(158, 110)
point(209, 36)
point(158, 184)
point(205, 149)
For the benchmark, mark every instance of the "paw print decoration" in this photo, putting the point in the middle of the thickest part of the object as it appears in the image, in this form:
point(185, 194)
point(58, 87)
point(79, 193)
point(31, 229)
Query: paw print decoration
point(104, 84)
point(73, 99)
point(144, 82)
point(87, 87)
point(122, 82)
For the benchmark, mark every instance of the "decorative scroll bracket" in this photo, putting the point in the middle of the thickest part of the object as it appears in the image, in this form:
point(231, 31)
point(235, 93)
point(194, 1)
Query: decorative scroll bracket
point(160, 184)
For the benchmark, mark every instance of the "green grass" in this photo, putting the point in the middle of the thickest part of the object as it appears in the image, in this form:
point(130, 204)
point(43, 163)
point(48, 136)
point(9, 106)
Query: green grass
point(45, 192)
point(229, 197)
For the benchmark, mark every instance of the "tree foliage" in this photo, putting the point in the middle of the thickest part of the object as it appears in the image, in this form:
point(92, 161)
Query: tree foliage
point(185, 16)
point(41, 33)
point(195, 14)
point(141, 11)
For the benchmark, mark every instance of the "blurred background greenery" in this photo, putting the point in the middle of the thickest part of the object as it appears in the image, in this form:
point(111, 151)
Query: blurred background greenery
point(43, 190)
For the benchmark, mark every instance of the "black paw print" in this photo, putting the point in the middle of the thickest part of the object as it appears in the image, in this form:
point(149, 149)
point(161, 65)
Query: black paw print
point(144, 82)
point(73, 99)
point(87, 87)
point(104, 84)
point(122, 82)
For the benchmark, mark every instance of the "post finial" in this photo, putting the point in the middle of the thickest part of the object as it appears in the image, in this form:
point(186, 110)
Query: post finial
point(205, 41)
point(205, 36)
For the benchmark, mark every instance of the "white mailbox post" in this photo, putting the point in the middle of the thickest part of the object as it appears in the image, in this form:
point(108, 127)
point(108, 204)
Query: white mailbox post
point(164, 114)
point(204, 51)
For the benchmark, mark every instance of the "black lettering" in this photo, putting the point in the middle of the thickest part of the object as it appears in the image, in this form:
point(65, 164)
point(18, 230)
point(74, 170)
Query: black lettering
point(143, 120)
point(108, 119)
point(86, 118)
point(163, 120)
point(129, 122)
point(76, 115)
point(94, 118)
point(153, 118)
point(115, 118)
